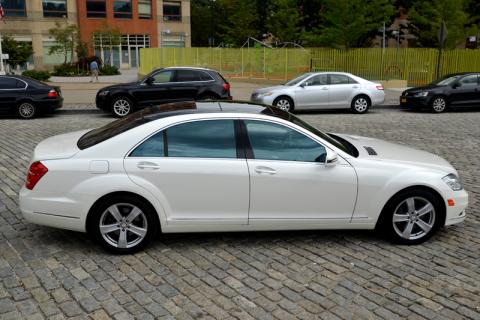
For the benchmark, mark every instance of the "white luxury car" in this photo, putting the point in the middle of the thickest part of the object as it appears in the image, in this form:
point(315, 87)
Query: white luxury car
point(323, 90)
point(223, 166)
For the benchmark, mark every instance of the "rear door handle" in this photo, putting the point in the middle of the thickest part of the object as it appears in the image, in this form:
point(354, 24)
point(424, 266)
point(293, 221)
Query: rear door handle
point(148, 165)
point(266, 170)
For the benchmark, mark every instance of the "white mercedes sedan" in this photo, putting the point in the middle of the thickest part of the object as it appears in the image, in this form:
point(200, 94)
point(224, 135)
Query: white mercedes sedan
point(229, 166)
point(323, 90)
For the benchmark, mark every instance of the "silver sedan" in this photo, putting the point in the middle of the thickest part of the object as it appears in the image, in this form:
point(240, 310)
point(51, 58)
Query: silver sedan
point(323, 90)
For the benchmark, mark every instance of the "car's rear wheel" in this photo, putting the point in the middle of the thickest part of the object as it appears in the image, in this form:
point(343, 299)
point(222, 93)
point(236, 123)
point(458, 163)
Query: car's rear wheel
point(439, 104)
point(123, 224)
point(360, 104)
point(412, 216)
point(122, 106)
point(284, 103)
point(26, 110)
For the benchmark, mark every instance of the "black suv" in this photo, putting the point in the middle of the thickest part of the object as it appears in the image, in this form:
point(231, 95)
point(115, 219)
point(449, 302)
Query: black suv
point(164, 86)
point(453, 90)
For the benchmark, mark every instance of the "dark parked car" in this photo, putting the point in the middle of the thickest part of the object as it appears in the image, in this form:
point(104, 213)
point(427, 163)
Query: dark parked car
point(453, 90)
point(28, 97)
point(164, 86)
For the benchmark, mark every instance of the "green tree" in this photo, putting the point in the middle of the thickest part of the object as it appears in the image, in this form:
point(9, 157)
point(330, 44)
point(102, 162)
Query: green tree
point(66, 37)
point(203, 22)
point(110, 37)
point(284, 21)
point(242, 21)
point(351, 23)
point(426, 17)
point(18, 51)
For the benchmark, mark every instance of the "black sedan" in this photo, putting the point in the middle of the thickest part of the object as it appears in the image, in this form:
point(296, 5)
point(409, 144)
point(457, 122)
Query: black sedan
point(453, 90)
point(28, 97)
point(164, 86)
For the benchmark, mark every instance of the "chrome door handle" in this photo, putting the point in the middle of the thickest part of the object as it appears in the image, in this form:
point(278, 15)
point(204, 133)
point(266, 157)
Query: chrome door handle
point(265, 170)
point(355, 87)
point(148, 165)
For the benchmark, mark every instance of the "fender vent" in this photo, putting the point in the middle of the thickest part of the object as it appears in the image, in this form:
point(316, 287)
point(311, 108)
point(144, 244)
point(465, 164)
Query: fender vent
point(370, 151)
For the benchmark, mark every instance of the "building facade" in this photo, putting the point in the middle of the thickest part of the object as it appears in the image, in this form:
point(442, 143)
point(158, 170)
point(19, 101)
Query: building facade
point(135, 24)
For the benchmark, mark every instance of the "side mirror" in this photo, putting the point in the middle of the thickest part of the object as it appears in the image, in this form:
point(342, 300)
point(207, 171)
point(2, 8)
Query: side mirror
point(303, 85)
point(149, 80)
point(456, 85)
point(331, 159)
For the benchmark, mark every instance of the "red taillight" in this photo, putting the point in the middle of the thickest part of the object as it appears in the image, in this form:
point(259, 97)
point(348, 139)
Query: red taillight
point(35, 173)
point(380, 87)
point(52, 93)
point(226, 86)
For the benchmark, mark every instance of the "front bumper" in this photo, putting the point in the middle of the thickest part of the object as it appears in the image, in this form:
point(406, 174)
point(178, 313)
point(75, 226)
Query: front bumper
point(456, 213)
point(102, 102)
point(268, 100)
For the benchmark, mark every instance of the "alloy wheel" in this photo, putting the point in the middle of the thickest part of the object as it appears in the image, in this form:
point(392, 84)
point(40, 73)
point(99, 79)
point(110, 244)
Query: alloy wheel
point(121, 107)
point(123, 225)
point(439, 104)
point(414, 218)
point(283, 104)
point(26, 110)
point(360, 105)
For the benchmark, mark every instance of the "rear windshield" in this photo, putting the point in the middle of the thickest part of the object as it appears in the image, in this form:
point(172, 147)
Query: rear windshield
point(131, 121)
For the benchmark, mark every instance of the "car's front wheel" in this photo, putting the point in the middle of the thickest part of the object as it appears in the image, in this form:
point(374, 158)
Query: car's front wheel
point(26, 110)
point(412, 216)
point(122, 106)
point(123, 224)
point(439, 104)
point(284, 103)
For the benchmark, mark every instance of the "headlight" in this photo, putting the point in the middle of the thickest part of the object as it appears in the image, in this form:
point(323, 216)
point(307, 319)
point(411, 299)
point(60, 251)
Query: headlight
point(421, 94)
point(103, 93)
point(265, 94)
point(453, 182)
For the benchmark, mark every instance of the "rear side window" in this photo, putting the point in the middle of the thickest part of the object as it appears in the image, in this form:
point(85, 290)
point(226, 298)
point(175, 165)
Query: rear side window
point(341, 79)
point(8, 83)
point(471, 80)
point(192, 75)
point(199, 139)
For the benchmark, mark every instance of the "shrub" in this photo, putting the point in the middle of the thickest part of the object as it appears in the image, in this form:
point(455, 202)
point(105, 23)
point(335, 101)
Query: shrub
point(38, 75)
point(107, 70)
point(65, 70)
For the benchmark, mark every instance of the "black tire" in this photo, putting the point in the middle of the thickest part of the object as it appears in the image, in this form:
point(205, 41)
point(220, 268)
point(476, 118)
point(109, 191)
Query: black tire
point(398, 208)
point(285, 103)
point(144, 222)
point(439, 104)
point(121, 106)
point(361, 104)
point(26, 110)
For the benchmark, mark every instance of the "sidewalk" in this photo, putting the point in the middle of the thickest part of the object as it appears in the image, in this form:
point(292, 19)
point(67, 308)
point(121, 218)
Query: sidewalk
point(127, 75)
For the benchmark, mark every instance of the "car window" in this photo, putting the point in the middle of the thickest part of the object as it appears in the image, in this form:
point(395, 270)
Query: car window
point(191, 75)
point(8, 83)
point(471, 80)
point(163, 76)
point(202, 139)
point(152, 147)
point(341, 79)
point(318, 80)
point(272, 141)
point(21, 84)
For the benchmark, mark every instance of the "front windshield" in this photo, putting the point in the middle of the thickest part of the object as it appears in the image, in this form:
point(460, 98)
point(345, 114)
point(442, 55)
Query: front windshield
point(298, 79)
point(445, 81)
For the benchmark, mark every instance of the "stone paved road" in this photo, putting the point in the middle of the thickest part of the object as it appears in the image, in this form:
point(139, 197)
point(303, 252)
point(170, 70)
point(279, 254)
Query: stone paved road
point(53, 274)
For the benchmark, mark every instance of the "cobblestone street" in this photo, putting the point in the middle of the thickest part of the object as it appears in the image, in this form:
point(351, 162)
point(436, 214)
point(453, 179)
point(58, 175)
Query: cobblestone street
point(53, 274)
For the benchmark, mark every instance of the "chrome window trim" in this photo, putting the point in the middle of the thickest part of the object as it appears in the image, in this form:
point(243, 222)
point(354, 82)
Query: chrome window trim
point(26, 84)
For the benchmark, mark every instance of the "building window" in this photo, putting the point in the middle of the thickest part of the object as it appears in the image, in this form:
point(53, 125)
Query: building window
point(55, 8)
point(55, 58)
point(172, 11)
point(14, 8)
point(122, 9)
point(96, 9)
point(145, 9)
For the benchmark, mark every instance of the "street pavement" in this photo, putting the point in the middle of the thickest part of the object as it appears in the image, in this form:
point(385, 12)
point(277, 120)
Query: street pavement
point(54, 274)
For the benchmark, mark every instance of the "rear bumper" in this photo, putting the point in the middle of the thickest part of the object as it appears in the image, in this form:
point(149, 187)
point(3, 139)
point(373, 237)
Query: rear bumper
point(50, 104)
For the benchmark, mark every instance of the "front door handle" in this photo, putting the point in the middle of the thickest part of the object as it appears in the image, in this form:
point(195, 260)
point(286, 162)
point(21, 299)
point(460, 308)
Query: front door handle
point(266, 170)
point(148, 165)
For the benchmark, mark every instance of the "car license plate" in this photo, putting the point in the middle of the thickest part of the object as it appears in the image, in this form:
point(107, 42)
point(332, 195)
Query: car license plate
point(403, 100)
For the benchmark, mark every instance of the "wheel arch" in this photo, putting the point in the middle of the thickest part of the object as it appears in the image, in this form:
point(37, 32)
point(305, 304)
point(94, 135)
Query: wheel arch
point(98, 202)
point(125, 94)
point(443, 208)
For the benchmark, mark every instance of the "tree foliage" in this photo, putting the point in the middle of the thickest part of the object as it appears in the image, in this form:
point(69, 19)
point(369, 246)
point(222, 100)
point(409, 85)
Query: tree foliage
point(426, 17)
point(284, 21)
point(242, 21)
point(66, 36)
point(18, 51)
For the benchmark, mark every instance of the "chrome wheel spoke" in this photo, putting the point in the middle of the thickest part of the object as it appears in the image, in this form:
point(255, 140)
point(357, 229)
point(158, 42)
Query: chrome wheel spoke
point(400, 218)
point(422, 224)
point(411, 204)
point(408, 230)
point(133, 214)
point(115, 213)
point(141, 232)
point(104, 229)
point(122, 239)
point(425, 209)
